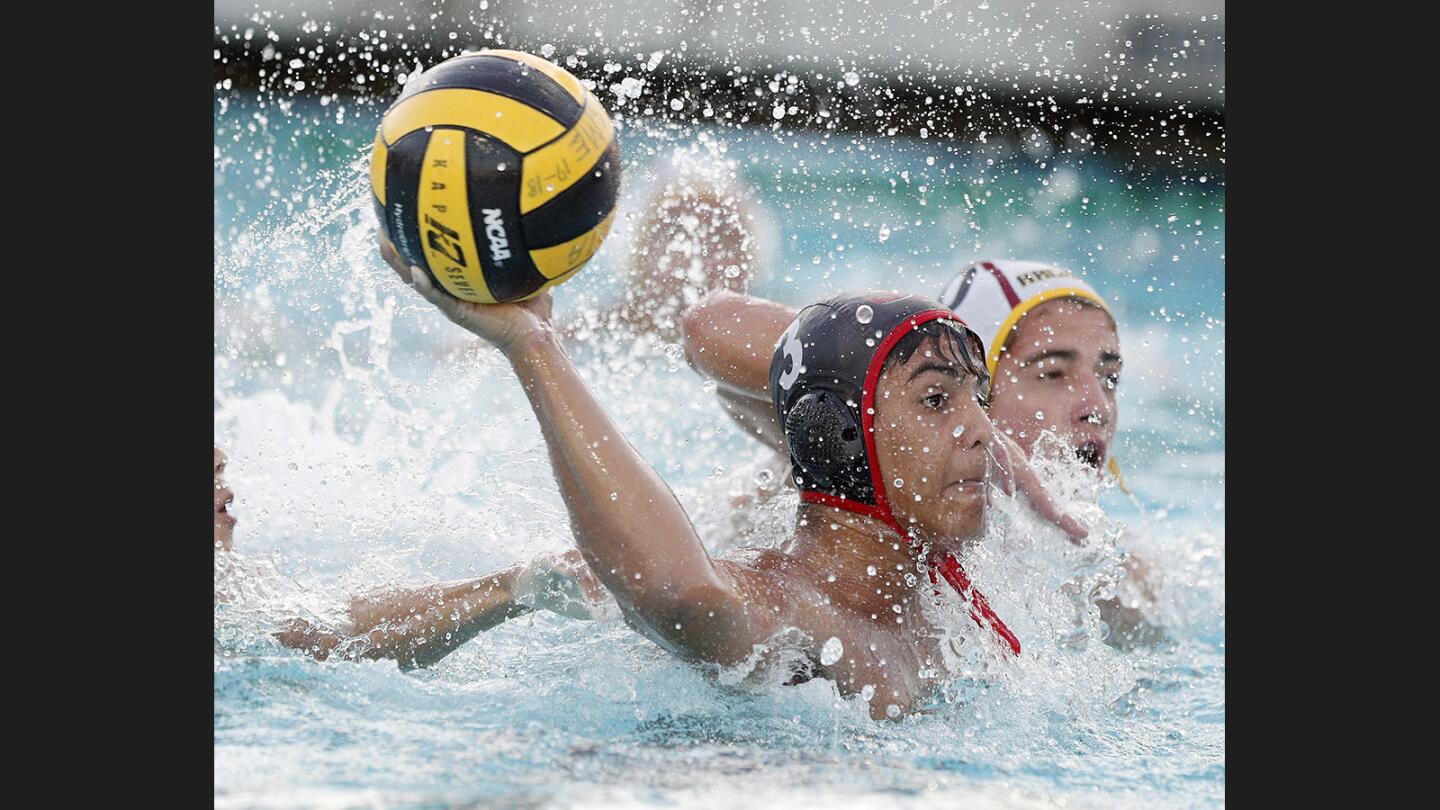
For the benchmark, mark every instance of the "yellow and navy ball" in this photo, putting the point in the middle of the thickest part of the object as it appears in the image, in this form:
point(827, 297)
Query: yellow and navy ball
point(497, 172)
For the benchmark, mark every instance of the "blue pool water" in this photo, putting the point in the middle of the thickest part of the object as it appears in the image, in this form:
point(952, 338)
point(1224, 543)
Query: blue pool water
point(371, 442)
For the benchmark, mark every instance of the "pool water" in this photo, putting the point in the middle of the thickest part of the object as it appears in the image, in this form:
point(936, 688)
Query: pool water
point(372, 443)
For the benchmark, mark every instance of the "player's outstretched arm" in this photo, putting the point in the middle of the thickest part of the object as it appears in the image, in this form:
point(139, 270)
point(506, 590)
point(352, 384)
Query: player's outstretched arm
point(415, 626)
point(630, 528)
point(420, 626)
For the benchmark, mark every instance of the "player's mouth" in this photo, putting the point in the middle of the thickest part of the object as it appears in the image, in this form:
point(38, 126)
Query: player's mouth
point(222, 512)
point(973, 483)
point(1092, 453)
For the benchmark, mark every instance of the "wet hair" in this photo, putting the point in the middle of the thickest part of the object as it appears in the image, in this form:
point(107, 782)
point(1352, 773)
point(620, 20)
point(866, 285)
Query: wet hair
point(946, 339)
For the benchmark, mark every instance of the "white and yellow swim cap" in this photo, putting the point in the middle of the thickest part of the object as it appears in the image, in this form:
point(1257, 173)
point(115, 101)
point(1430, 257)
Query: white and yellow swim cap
point(992, 296)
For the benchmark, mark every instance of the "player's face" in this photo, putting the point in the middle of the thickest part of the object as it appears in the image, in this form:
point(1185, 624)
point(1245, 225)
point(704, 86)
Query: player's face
point(224, 521)
point(1059, 372)
point(932, 440)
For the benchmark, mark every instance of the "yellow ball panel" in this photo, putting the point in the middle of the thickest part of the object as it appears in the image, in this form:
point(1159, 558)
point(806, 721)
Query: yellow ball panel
point(554, 168)
point(377, 167)
point(554, 262)
point(519, 126)
point(447, 237)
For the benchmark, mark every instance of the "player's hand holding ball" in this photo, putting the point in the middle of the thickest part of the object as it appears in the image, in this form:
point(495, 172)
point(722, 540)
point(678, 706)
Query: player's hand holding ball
point(505, 325)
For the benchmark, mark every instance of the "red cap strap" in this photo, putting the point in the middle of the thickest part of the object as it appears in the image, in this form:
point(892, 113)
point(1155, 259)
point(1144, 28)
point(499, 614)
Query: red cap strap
point(980, 611)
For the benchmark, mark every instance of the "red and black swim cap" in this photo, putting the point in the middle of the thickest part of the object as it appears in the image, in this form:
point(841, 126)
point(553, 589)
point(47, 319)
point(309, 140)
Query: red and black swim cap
point(823, 376)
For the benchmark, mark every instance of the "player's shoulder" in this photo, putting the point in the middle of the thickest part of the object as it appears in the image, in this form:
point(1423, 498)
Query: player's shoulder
point(775, 569)
point(763, 559)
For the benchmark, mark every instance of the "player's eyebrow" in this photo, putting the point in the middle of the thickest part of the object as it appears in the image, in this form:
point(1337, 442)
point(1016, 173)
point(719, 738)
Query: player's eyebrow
point(1059, 354)
point(943, 369)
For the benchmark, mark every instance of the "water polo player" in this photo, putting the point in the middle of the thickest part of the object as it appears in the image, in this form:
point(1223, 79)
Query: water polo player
point(224, 496)
point(847, 579)
point(1053, 354)
point(416, 626)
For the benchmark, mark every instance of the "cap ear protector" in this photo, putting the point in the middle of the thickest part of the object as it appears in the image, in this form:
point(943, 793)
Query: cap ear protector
point(827, 444)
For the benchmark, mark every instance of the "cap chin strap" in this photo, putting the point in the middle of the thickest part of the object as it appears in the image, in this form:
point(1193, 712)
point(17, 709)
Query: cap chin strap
point(980, 611)
point(942, 563)
point(1114, 467)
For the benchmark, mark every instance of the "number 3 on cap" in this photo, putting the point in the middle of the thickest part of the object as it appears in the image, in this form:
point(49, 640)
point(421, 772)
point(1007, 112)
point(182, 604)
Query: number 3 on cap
point(794, 351)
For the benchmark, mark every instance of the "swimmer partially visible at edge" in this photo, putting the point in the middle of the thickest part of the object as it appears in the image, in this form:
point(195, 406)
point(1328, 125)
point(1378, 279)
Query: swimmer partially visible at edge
point(418, 626)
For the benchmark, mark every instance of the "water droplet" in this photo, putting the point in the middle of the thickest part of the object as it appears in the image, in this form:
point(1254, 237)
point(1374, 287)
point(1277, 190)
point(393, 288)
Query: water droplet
point(866, 692)
point(547, 50)
point(763, 478)
point(864, 313)
point(1039, 414)
point(831, 652)
point(677, 104)
point(852, 78)
point(892, 711)
point(870, 569)
point(958, 432)
point(614, 496)
point(732, 271)
point(899, 482)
